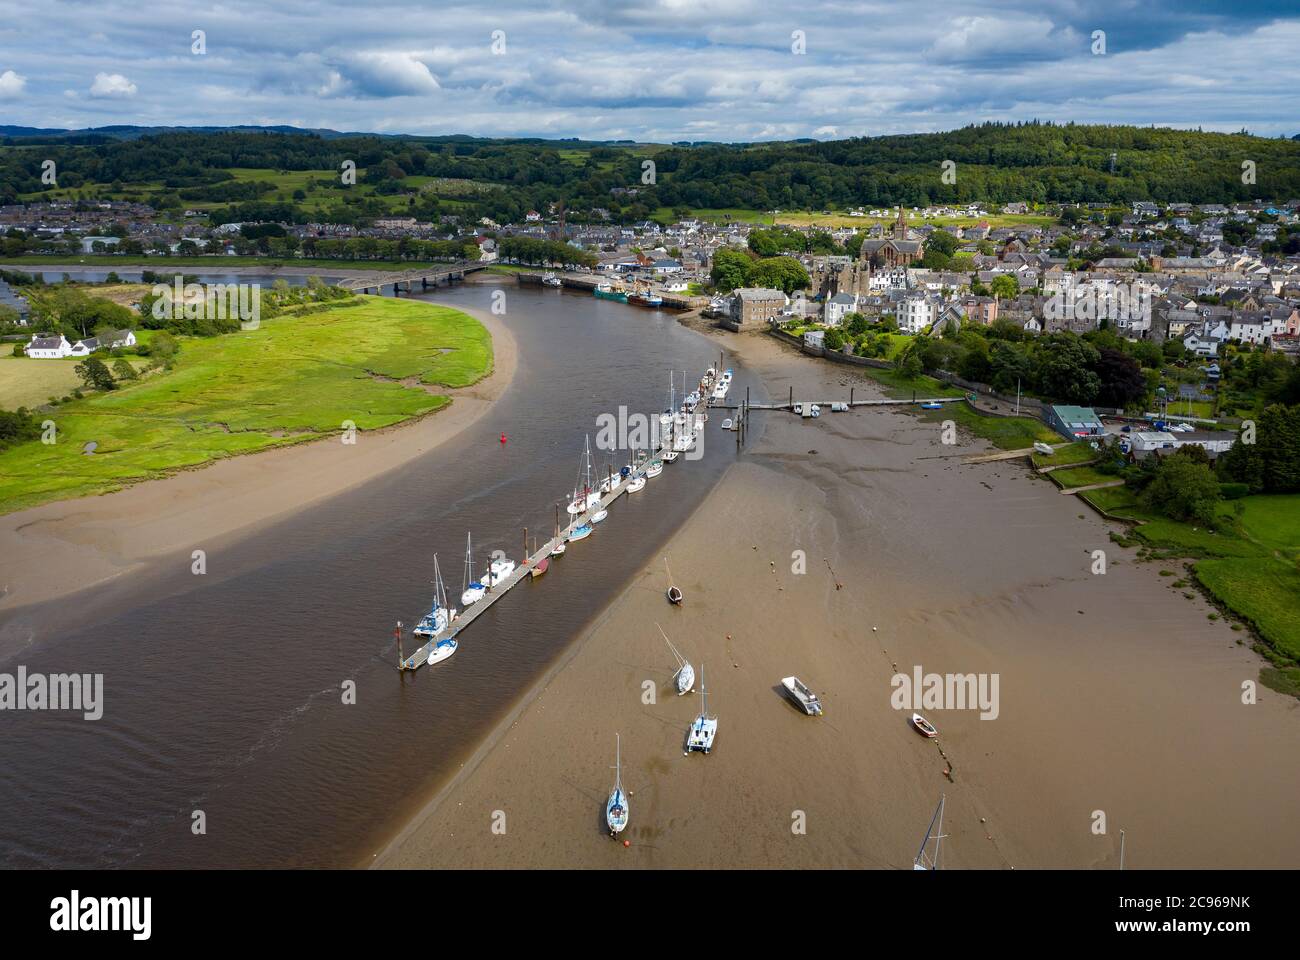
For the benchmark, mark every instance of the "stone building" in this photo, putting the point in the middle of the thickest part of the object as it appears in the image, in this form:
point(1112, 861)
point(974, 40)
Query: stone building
point(834, 275)
point(753, 308)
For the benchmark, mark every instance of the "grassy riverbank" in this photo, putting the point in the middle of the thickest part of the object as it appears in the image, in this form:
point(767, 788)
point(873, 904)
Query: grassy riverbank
point(210, 262)
point(294, 379)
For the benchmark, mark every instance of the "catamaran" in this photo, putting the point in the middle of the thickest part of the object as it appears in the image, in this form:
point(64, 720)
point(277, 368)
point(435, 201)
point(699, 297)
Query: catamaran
point(684, 678)
point(437, 619)
point(922, 861)
point(616, 805)
point(473, 590)
point(705, 728)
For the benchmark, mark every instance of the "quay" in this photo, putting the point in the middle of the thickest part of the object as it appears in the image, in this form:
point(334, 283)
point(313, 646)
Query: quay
point(589, 282)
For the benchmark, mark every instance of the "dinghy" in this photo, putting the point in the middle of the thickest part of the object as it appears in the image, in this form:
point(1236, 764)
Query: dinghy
point(674, 595)
point(923, 726)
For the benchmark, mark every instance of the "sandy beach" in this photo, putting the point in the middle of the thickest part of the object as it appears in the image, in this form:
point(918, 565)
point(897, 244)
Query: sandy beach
point(1117, 695)
point(60, 548)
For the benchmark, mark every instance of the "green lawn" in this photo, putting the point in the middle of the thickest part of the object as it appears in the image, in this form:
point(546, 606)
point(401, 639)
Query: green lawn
point(1273, 521)
point(1119, 502)
point(1264, 591)
point(292, 380)
point(1195, 540)
point(1005, 433)
point(1080, 477)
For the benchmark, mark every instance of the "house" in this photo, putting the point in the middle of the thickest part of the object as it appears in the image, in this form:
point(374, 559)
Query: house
point(815, 340)
point(1073, 422)
point(110, 341)
point(837, 307)
point(49, 347)
point(914, 313)
point(753, 307)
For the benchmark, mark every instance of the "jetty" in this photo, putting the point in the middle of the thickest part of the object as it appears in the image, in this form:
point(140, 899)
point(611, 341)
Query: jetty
point(495, 592)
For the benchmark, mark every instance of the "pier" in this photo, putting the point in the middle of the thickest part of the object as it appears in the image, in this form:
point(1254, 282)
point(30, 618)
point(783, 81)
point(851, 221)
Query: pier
point(524, 570)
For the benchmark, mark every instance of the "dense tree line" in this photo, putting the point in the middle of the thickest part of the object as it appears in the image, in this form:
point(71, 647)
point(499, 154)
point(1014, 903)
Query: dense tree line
point(737, 268)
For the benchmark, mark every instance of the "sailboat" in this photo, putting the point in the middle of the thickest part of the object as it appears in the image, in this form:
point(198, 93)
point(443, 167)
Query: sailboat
point(442, 650)
point(922, 861)
point(674, 594)
point(702, 732)
point(684, 678)
point(616, 805)
point(440, 616)
point(473, 589)
point(588, 496)
point(558, 549)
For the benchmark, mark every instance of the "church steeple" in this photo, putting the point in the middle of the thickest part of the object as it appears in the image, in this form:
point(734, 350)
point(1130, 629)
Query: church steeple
point(900, 225)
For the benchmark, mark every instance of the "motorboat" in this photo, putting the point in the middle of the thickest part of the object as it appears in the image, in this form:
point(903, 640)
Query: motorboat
point(653, 469)
point(802, 695)
point(598, 516)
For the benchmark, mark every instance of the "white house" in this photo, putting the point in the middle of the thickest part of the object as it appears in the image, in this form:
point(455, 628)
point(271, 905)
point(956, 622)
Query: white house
point(837, 307)
point(119, 338)
point(49, 348)
point(914, 314)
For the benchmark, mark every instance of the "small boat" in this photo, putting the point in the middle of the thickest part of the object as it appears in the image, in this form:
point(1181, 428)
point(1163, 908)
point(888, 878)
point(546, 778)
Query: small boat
point(599, 515)
point(1043, 448)
point(674, 596)
point(580, 532)
point(726, 424)
point(441, 651)
point(473, 590)
point(932, 406)
point(616, 805)
point(558, 549)
point(670, 455)
point(924, 726)
point(635, 484)
point(802, 695)
point(705, 728)
point(684, 678)
point(924, 861)
point(540, 568)
point(498, 570)
point(654, 468)
point(440, 615)
point(551, 280)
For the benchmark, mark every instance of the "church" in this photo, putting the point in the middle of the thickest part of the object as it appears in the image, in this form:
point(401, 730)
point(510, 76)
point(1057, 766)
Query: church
point(832, 275)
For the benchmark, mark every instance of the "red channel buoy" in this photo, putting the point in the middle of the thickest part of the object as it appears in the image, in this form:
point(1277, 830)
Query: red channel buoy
point(627, 843)
point(503, 438)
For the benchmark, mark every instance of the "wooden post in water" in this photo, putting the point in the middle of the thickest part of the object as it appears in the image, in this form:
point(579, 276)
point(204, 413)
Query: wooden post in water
point(850, 396)
point(791, 397)
point(401, 657)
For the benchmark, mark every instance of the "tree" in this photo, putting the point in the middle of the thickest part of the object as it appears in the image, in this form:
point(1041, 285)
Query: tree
point(834, 340)
point(123, 370)
point(730, 269)
point(1005, 287)
point(1065, 368)
point(17, 426)
point(94, 374)
point(1183, 487)
point(1121, 379)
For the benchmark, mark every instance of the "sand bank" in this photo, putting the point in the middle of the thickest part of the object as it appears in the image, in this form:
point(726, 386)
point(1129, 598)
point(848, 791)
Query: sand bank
point(1116, 694)
point(60, 548)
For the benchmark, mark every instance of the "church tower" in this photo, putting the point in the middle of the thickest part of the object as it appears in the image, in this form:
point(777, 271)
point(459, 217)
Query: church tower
point(900, 225)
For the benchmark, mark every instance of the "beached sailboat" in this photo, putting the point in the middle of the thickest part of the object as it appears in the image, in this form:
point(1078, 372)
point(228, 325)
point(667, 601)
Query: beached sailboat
point(684, 678)
point(705, 728)
point(674, 594)
point(616, 807)
point(923, 861)
point(473, 590)
point(440, 615)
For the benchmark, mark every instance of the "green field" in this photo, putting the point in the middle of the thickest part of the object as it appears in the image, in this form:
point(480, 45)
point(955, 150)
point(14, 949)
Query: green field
point(1273, 522)
point(1077, 452)
point(292, 380)
point(1080, 477)
point(1005, 433)
point(1263, 591)
point(31, 383)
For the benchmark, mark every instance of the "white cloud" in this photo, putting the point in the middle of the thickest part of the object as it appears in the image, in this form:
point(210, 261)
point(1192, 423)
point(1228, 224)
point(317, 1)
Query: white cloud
point(111, 86)
point(11, 84)
point(385, 74)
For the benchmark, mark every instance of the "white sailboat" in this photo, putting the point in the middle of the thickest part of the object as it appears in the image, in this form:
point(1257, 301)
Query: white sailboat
point(923, 861)
point(473, 590)
point(684, 678)
point(654, 468)
point(616, 807)
point(635, 484)
point(441, 651)
point(440, 616)
point(588, 496)
point(705, 728)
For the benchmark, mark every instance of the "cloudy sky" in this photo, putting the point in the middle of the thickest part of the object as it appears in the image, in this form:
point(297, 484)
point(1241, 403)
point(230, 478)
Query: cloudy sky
point(656, 70)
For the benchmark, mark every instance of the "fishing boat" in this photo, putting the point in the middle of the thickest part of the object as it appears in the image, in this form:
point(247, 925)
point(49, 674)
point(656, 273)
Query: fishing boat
point(551, 280)
point(923, 861)
point(684, 678)
point(606, 291)
point(705, 728)
point(635, 484)
point(923, 726)
point(802, 695)
point(645, 298)
point(473, 590)
point(441, 651)
point(440, 615)
point(616, 805)
point(654, 468)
